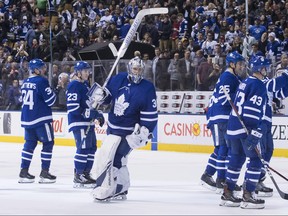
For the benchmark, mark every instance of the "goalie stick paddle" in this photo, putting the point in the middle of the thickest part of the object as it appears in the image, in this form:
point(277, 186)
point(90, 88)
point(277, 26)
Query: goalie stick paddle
point(125, 44)
point(266, 166)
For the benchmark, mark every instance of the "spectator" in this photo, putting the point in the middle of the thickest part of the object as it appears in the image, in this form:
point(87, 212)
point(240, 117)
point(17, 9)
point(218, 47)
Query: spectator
point(257, 30)
point(147, 73)
point(213, 76)
point(262, 44)
point(273, 47)
point(255, 51)
point(61, 88)
point(34, 50)
point(13, 73)
point(176, 80)
point(132, 10)
point(203, 72)
point(164, 30)
point(248, 43)
point(175, 32)
point(24, 27)
point(183, 28)
point(62, 43)
point(209, 44)
point(187, 72)
point(14, 96)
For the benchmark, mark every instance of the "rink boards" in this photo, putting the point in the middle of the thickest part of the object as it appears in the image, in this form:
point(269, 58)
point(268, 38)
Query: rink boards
point(174, 132)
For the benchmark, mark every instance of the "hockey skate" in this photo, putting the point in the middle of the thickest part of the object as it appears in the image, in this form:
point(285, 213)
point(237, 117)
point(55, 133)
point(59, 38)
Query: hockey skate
point(208, 182)
point(250, 202)
point(220, 185)
point(46, 177)
point(262, 190)
point(80, 181)
point(88, 176)
point(25, 177)
point(228, 198)
point(120, 196)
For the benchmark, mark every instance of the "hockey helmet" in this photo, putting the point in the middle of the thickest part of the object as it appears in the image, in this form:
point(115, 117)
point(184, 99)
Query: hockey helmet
point(36, 64)
point(136, 69)
point(258, 63)
point(80, 66)
point(234, 57)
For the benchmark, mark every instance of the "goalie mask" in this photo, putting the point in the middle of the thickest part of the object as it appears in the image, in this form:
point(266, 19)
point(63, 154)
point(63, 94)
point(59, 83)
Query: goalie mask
point(135, 70)
point(36, 66)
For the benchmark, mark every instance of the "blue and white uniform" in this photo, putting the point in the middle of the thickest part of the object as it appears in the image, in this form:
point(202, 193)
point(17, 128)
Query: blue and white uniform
point(78, 122)
point(131, 103)
point(250, 102)
point(218, 114)
point(36, 115)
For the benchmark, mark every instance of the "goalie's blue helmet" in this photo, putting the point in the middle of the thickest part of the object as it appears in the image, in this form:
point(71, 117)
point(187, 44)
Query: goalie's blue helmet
point(35, 64)
point(234, 57)
point(136, 69)
point(258, 63)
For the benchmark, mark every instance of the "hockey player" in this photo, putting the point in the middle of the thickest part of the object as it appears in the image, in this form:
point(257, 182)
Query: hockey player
point(79, 118)
point(36, 118)
point(276, 88)
point(217, 119)
point(250, 101)
point(131, 121)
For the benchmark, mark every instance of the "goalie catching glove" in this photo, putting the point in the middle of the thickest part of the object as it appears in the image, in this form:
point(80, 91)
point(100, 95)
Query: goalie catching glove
point(94, 114)
point(139, 137)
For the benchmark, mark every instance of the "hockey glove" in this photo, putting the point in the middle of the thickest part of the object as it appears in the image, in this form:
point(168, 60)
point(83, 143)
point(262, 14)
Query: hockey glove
point(97, 95)
point(100, 119)
point(253, 138)
point(139, 137)
point(90, 113)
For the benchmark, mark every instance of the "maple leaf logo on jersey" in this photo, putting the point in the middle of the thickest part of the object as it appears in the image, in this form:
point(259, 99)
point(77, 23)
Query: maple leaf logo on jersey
point(120, 105)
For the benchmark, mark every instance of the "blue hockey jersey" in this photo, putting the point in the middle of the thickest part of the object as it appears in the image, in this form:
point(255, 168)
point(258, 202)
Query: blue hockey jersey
point(250, 100)
point(274, 87)
point(76, 104)
point(219, 107)
point(37, 99)
point(131, 103)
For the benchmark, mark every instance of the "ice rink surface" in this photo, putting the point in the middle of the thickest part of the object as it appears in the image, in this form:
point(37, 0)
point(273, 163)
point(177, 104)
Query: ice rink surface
point(162, 183)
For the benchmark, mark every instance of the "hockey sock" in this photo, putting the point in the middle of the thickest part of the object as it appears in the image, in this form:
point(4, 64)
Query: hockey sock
point(252, 174)
point(80, 160)
point(90, 160)
point(211, 166)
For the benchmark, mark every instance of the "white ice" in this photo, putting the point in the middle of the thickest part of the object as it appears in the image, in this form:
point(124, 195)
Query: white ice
point(162, 183)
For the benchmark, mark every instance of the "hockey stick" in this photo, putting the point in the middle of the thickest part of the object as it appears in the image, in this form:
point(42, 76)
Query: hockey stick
point(125, 44)
point(129, 37)
point(266, 166)
point(180, 108)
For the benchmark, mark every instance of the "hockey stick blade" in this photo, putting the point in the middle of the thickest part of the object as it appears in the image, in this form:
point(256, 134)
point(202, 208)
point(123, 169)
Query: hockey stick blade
point(281, 193)
point(113, 49)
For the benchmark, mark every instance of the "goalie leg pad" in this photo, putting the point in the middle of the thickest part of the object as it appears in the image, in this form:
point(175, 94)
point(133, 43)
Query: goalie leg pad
point(105, 172)
point(123, 181)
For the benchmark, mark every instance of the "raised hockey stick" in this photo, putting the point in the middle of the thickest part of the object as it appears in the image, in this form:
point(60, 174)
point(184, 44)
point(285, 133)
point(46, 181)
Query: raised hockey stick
point(125, 44)
point(130, 35)
point(282, 194)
